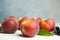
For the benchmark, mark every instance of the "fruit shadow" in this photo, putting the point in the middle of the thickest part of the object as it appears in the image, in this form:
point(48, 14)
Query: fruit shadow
point(21, 35)
point(6, 33)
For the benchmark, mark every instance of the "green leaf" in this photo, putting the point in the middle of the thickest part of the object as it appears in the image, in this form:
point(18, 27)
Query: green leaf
point(43, 32)
point(0, 29)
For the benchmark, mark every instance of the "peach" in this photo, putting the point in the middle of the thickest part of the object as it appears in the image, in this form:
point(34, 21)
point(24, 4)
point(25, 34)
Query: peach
point(38, 19)
point(47, 24)
point(51, 22)
point(22, 19)
point(10, 24)
point(19, 21)
point(44, 25)
point(29, 28)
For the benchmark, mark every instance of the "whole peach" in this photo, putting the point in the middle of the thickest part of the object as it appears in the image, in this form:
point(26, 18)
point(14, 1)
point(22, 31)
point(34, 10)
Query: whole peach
point(51, 22)
point(10, 24)
point(47, 24)
point(21, 20)
point(29, 28)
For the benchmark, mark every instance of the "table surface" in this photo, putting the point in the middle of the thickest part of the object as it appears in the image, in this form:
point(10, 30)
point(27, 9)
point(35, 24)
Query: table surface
point(18, 36)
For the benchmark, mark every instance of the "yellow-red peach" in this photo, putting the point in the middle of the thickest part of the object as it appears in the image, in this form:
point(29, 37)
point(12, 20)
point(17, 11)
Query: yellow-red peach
point(29, 27)
point(47, 24)
point(22, 19)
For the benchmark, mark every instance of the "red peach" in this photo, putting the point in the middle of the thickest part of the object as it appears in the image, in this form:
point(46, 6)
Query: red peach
point(47, 24)
point(29, 27)
point(10, 24)
point(38, 19)
point(51, 22)
point(44, 25)
point(22, 19)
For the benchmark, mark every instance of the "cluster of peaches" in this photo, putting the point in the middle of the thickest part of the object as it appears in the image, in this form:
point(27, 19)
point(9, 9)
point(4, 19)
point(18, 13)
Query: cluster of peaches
point(28, 26)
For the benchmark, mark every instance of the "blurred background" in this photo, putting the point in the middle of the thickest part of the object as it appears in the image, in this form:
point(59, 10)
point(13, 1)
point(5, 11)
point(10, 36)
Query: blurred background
point(30, 8)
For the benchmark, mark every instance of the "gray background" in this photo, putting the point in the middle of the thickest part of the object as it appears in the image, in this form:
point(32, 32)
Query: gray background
point(30, 8)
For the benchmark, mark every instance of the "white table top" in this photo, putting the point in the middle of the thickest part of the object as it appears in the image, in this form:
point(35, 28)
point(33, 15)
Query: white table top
point(18, 36)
